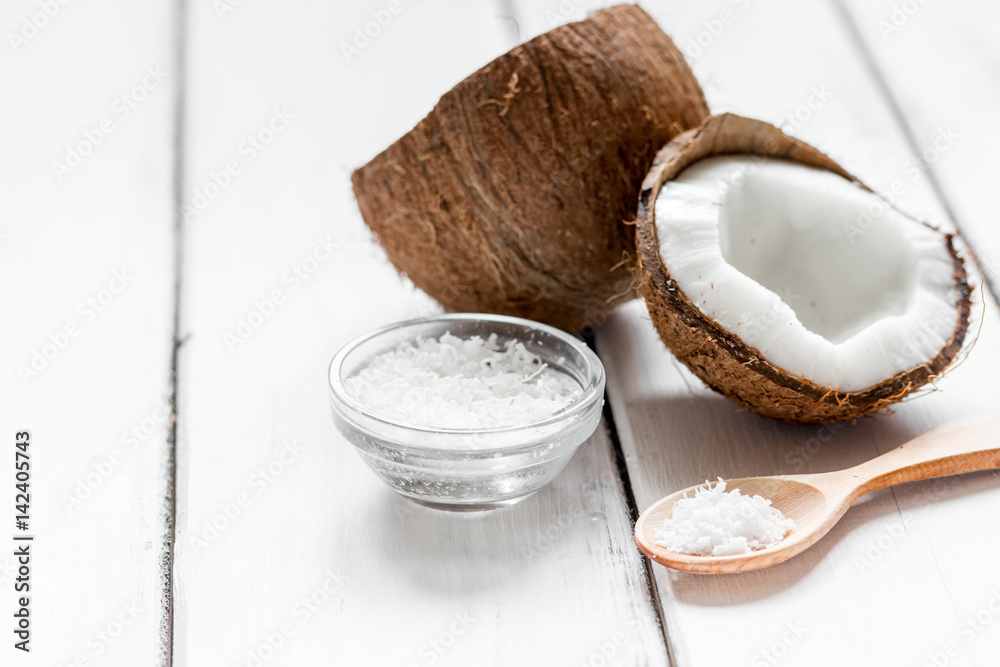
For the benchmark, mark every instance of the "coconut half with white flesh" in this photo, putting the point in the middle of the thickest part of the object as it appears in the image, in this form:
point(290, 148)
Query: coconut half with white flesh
point(787, 285)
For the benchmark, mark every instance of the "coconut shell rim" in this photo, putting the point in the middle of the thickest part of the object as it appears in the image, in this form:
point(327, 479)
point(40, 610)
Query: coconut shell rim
point(681, 153)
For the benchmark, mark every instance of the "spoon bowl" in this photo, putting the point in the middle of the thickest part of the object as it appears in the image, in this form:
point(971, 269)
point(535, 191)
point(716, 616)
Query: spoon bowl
point(794, 495)
point(816, 502)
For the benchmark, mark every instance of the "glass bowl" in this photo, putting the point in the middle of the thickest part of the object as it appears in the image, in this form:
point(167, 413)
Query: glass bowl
point(465, 469)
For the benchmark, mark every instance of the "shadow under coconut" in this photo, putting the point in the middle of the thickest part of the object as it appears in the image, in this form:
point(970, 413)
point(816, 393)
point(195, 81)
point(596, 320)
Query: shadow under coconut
point(681, 441)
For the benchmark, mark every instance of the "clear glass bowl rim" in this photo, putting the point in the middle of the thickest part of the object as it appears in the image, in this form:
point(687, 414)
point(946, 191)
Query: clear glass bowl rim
point(593, 391)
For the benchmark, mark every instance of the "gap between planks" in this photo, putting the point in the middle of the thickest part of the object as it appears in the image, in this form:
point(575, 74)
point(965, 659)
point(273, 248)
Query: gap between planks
point(630, 503)
point(179, 28)
point(508, 10)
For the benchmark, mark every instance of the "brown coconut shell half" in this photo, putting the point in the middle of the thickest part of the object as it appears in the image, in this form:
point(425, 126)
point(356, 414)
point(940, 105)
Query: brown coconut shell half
point(720, 358)
point(510, 196)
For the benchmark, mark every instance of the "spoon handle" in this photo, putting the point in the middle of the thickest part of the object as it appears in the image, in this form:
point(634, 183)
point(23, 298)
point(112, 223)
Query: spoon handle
point(965, 444)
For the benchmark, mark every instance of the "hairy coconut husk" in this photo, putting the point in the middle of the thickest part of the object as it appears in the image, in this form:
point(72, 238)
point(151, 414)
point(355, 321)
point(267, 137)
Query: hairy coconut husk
point(510, 196)
point(719, 357)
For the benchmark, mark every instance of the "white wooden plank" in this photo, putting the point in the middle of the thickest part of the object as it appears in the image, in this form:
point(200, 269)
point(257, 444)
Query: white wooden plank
point(896, 582)
point(86, 269)
point(948, 95)
point(317, 556)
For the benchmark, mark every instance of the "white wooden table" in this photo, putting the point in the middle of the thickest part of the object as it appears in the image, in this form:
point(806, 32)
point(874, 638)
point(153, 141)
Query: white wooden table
point(180, 256)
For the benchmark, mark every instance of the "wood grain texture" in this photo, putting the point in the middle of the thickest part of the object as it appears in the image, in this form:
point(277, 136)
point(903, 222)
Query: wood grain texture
point(905, 552)
point(290, 551)
point(87, 312)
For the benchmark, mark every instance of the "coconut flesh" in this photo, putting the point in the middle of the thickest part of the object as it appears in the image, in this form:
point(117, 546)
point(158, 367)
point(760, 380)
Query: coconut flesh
point(787, 285)
point(773, 252)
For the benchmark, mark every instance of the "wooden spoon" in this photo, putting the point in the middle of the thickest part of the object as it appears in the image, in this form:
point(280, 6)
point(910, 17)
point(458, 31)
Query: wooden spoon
point(816, 502)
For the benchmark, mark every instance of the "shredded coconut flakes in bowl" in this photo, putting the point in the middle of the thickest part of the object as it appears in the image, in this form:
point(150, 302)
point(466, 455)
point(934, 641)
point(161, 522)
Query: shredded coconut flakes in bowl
point(461, 383)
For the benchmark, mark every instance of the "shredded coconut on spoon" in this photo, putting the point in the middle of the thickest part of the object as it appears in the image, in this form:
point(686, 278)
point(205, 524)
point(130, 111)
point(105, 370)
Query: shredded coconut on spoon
point(716, 523)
